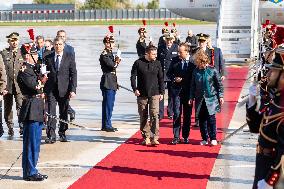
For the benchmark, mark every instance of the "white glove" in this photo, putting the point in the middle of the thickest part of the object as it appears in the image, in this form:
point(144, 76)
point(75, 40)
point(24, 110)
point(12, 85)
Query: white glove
point(253, 90)
point(43, 70)
point(253, 93)
point(263, 185)
point(118, 53)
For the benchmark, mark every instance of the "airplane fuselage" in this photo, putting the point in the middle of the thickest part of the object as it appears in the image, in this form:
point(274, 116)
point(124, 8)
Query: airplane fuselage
point(207, 10)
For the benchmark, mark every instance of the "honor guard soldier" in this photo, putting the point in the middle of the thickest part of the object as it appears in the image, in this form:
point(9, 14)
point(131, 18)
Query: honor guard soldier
point(166, 53)
point(13, 62)
point(31, 113)
point(175, 33)
point(165, 31)
point(141, 43)
point(108, 83)
point(270, 147)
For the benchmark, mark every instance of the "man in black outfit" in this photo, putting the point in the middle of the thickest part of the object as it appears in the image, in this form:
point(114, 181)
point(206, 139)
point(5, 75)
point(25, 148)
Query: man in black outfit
point(180, 73)
point(141, 43)
point(148, 85)
point(60, 87)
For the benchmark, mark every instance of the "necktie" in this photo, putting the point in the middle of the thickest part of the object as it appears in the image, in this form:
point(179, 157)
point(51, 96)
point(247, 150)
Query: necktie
point(185, 65)
point(57, 62)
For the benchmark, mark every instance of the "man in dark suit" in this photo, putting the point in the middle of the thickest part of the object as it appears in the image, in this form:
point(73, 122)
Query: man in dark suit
point(216, 58)
point(180, 73)
point(191, 39)
point(70, 49)
point(166, 53)
point(108, 82)
point(60, 87)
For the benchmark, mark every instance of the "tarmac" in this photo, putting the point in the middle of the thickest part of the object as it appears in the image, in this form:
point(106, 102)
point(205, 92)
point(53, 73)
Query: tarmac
point(65, 163)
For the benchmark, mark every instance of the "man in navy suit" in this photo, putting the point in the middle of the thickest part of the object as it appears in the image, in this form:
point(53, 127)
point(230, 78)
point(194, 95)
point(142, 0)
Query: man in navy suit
point(180, 73)
point(68, 48)
point(60, 87)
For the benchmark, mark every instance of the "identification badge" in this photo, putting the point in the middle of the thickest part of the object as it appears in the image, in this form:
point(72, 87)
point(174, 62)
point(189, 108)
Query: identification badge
point(174, 53)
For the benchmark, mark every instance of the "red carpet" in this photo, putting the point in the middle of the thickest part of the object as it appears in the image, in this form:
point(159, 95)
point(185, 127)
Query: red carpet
point(132, 166)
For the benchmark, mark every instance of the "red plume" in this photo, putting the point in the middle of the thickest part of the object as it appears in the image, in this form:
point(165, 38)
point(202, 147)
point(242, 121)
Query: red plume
point(144, 22)
point(267, 22)
point(166, 24)
point(263, 25)
point(273, 26)
point(110, 28)
point(279, 35)
point(31, 34)
point(174, 24)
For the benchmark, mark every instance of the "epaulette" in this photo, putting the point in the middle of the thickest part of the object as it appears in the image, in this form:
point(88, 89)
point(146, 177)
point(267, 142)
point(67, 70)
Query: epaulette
point(23, 68)
point(104, 52)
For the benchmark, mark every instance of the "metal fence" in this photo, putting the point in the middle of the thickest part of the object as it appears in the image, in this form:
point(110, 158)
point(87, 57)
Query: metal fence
point(86, 15)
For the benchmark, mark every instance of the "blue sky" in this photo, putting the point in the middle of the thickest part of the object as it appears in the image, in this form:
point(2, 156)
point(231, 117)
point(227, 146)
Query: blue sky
point(5, 5)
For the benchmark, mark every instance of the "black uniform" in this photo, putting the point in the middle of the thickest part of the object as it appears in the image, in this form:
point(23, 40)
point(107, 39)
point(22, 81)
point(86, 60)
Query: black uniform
point(141, 47)
point(165, 56)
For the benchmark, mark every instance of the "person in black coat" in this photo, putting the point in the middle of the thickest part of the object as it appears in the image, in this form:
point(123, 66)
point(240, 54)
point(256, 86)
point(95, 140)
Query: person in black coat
point(191, 39)
point(180, 73)
point(60, 87)
point(108, 82)
point(70, 49)
point(31, 113)
point(141, 43)
point(165, 55)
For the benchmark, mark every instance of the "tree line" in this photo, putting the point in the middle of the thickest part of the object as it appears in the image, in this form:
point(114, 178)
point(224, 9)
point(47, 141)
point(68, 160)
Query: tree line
point(103, 4)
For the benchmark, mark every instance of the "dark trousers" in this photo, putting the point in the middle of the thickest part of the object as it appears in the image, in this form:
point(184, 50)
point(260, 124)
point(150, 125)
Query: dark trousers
point(181, 106)
point(263, 165)
point(31, 147)
point(107, 107)
point(8, 105)
point(170, 111)
point(63, 102)
point(207, 123)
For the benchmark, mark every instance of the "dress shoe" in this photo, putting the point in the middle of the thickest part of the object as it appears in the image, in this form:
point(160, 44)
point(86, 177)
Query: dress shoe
point(35, 177)
point(175, 141)
point(62, 137)
point(110, 130)
point(21, 131)
point(186, 141)
point(170, 117)
point(72, 116)
point(43, 176)
point(203, 143)
point(11, 132)
point(50, 140)
point(1, 130)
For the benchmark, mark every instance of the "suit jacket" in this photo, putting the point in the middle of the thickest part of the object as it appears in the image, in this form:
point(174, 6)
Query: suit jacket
point(69, 48)
point(181, 89)
point(219, 62)
point(165, 56)
point(206, 85)
point(141, 47)
point(65, 79)
point(108, 66)
point(32, 108)
point(12, 66)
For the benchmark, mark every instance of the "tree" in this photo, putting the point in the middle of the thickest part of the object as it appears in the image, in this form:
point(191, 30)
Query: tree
point(107, 4)
point(140, 6)
point(54, 1)
point(154, 4)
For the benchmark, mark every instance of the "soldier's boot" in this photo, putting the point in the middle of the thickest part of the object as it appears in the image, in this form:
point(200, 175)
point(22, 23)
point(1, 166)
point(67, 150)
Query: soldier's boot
point(11, 132)
point(1, 129)
point(10, 129)
point(21, 129)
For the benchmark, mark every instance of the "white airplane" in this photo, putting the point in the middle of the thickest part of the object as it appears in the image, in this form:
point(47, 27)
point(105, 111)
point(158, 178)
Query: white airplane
point(207, 10)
